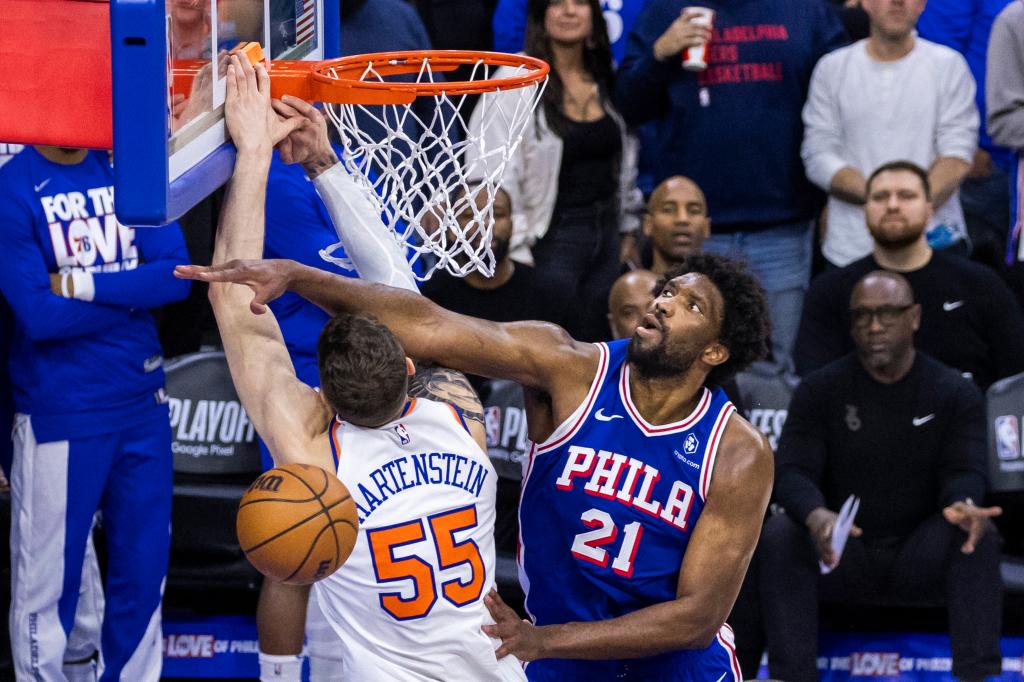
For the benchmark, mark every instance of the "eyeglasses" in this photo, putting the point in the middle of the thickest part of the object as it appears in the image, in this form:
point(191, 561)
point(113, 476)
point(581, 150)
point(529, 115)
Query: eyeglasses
point(887, 314)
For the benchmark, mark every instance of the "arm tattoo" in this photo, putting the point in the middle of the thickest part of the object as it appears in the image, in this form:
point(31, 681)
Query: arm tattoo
point(447, 385)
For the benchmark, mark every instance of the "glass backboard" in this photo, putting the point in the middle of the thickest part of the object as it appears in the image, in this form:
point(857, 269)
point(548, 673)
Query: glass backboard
point(169, 64)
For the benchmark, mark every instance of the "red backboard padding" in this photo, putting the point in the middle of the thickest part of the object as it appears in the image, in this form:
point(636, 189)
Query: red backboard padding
point(55, 73)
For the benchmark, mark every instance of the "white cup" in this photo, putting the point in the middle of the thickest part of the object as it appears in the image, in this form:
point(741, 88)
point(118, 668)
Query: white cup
point(694, 58)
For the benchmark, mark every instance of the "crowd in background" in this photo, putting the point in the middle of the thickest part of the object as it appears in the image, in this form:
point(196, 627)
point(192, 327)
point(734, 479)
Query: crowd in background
point(860, 156)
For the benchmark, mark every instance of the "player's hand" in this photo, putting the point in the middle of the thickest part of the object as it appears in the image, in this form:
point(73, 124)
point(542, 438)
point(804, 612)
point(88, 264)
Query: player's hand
point(972, 520)
point(681, 34)
point(268, 279)
point(821, 522)
point(309, 143)
point(519, 637)
point(251, 122)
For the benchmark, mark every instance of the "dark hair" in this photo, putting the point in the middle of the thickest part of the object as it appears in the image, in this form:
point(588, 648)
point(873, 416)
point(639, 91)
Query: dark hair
point(597, 59)
point(746, 328)
point(362, 369)
point(907, 166)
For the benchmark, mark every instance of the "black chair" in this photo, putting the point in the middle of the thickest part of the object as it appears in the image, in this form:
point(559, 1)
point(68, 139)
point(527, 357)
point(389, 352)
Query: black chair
point(216, 457)
point(1005, 400)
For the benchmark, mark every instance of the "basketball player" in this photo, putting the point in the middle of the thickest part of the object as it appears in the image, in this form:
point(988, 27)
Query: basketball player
point(408, 604)
point(644, 492)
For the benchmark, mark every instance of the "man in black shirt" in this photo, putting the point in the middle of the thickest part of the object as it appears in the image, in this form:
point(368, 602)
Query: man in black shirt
point(512, 294)
point(906, 434)
point(969, 318)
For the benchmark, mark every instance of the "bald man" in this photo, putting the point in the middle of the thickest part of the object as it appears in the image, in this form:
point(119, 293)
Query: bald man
point(906, 434)
point(676, 223)
point(628, 301)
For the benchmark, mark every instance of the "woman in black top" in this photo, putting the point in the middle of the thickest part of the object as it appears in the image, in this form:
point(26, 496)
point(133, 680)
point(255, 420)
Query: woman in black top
point(572, 178)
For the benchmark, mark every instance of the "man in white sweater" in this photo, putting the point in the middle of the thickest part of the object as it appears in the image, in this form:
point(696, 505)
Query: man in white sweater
point(892, 96)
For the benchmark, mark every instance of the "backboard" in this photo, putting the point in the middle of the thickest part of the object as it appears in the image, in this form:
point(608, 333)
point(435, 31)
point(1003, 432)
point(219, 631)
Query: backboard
point(170, 142)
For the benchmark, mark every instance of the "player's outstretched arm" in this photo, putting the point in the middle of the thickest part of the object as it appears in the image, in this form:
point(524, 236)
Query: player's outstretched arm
point(716, 560)
point(535, 354)
point(286, 412)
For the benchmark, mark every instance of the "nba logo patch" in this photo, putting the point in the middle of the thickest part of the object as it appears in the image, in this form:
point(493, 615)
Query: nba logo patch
point(492, 425)
point(691, 444)
point(1007, 437)
point(403, 434)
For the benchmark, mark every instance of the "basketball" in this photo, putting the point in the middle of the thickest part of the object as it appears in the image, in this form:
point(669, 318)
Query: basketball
point(297, 524)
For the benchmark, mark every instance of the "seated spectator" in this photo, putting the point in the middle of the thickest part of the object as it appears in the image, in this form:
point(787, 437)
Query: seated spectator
point(969, 319)
point(572, 180)
point(628, 301)
point(676, 223)
point(906, 434)
point(513, 293)
point(891, 96)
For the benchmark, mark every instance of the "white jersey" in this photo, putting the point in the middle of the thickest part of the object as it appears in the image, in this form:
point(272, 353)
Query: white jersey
point(408, 603)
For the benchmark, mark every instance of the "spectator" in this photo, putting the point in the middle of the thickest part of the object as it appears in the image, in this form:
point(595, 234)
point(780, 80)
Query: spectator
point(735, 129)
point(969, 319)
point(628, 301)
point(509, 24)
point(385, 26)
point(1005, 100)
point(92, 430)
point(676, 223)
point(965, 26)
point(572, 179)
point(906, 434)
point(512, 294)
point(891, 96)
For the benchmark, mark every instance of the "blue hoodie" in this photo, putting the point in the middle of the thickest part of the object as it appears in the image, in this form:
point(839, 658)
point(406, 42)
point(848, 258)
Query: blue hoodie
point(735, 128)
point(82, 368)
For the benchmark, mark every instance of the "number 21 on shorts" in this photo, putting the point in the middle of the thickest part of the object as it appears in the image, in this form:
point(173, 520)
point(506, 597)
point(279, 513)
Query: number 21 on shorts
point(441, 529)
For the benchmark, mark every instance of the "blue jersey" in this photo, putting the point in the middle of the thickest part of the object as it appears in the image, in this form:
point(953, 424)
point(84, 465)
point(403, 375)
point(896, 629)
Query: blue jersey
point(609, 502)
point(82, 368)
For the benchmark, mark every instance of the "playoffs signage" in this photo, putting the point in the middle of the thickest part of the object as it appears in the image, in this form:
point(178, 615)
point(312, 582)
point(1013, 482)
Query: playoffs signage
point(211, 432)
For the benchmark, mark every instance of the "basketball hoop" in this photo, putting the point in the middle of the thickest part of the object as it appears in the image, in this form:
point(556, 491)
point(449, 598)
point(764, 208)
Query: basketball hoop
point(435, 192)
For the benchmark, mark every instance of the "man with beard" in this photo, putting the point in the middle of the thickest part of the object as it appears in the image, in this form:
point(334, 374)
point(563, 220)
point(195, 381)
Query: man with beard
point(906, 434)
point(644, 492)
point(969, 319)
point(512, 293)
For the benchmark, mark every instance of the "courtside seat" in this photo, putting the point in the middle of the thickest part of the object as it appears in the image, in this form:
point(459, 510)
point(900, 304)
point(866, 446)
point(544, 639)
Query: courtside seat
point(1005, 400)
point(216, 457)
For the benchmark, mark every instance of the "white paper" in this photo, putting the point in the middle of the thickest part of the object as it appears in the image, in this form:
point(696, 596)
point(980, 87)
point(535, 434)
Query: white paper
point(841, 531)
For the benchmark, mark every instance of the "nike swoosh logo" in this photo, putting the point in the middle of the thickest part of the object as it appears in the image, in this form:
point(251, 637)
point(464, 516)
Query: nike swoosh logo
point(602, 417)
point(721, 678)
point(951, 305)
point(923, 420)
point(41, 185)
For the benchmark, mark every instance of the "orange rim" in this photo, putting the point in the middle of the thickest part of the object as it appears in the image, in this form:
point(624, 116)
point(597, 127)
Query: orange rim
point(346, 72)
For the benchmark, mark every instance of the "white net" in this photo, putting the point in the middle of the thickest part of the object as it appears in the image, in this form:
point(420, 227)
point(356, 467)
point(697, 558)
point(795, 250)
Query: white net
point(432, 172)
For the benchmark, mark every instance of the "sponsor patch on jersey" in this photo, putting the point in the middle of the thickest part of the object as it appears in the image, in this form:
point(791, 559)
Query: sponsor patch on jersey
point(691, 444)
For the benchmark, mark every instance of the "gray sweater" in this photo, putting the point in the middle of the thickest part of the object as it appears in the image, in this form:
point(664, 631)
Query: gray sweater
point(1004, 82)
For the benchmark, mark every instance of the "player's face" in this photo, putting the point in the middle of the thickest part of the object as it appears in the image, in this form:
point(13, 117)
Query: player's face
point(897, 210)
point(683, 321)
point(568, 21)
point(883, 321)
point(678, 220)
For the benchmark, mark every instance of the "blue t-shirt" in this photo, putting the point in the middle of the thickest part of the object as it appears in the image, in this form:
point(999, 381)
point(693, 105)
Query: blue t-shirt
point(82, 368)
point(965, 26)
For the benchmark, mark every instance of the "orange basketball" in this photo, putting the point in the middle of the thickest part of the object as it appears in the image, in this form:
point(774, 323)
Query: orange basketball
point(297, 524)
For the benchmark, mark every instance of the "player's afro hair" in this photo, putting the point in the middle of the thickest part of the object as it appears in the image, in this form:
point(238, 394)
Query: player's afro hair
point(746, 328)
